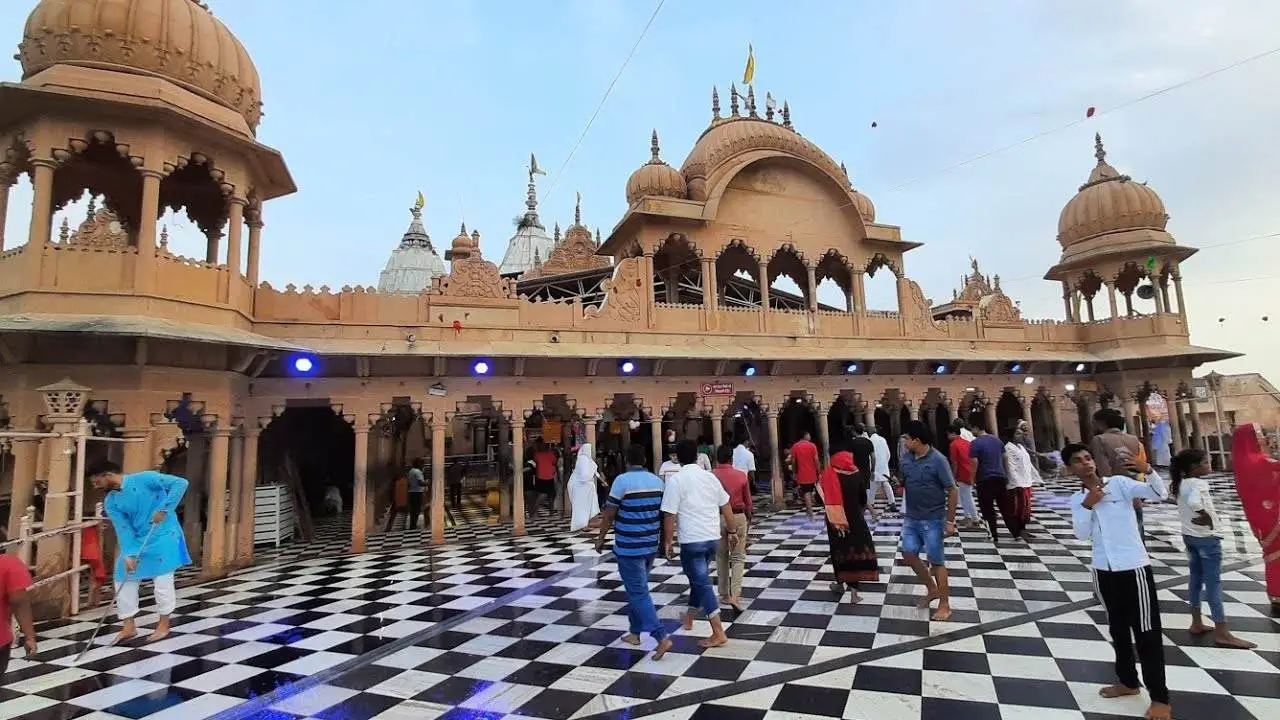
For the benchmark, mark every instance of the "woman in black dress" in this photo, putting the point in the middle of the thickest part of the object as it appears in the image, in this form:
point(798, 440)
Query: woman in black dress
point(853, 550)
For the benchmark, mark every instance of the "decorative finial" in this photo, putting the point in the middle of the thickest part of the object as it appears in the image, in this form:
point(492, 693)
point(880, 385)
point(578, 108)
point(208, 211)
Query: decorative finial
point(786, 114)
point(997, 283)
point(769, 106)
point(463, 231)
point(1098, 152)
point(164, 236)
point(653, 145)
point(733, 100)
point(556, 234)
point(597, 236)
point(751, 101)
point(715, 104)
point(65, 233)
point(537, 257)
point(577, 209)
point(844, 170)
point(93, 207)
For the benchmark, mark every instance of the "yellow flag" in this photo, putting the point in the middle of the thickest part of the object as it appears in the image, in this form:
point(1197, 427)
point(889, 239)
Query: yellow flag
point(749, 74)
point(422, 200)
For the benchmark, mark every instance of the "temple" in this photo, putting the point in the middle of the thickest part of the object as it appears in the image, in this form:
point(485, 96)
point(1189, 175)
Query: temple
point(670, 322)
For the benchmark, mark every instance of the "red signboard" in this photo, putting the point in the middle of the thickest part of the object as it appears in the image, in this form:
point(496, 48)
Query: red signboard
point(717, 389)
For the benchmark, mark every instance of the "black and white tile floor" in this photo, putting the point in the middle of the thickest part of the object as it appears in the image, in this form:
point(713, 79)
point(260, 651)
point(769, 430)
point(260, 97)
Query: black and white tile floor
point(530, 628)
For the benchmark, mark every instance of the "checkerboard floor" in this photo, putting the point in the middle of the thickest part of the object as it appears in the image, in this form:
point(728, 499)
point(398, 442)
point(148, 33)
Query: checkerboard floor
point(530, 628)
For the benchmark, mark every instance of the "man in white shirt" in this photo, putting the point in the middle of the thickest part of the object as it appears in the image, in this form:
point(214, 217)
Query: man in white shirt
point(880, 476)
point(1103, 513)
point(695, 504)
point(745, 460)
point(670, 466)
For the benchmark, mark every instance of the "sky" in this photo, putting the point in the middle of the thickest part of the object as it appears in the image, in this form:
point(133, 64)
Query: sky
point(371, 102)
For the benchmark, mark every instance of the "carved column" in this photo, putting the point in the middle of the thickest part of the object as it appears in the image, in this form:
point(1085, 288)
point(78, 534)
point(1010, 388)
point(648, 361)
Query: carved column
point(646, 267)
point(812, 270)
point(1175, 424)
point(5, 184)
point(53, 554)
point(255, 244)
point(858, 303)
point(775, 460)
point(764, 296)
point(655, 427)
point(25, 455)
point(235, 498)
point(1197, 436)
point(137, 455)
point(249, 498)
point(517, 481)
point(213, 249)
point(437, 481)
point(989, 414)
point(1111, 297)
point(1177, 291)
point(144, 276)
point(1088, 304)
point(1025, 402)
point(41, 219)
point(1066, 302)
point(360, 489)
point(708, 290)
point(235, 229)
point(592, 428)
point(717, 428)
point(1159, 296)
point(1131, 419)
point(869, 417)
point(213, 564)
point(824, 432)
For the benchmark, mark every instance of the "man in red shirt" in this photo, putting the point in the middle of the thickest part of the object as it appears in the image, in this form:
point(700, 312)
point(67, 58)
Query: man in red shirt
point(731, 562)
point(804, 457)
point(962, 467)
point(14, 581)
point(544, 486)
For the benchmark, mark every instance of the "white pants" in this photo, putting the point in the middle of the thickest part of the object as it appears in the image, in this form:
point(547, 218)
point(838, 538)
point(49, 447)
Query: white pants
point(966, 501)
point(888, 491)
point(127, 596)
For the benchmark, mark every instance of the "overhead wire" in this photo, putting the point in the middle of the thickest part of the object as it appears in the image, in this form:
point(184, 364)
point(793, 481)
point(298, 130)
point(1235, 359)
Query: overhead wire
point(555, 179)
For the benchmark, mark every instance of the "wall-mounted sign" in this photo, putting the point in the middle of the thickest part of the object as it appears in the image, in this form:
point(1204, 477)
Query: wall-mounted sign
point(437, 390)
point(1087, 386)
point(717, 389)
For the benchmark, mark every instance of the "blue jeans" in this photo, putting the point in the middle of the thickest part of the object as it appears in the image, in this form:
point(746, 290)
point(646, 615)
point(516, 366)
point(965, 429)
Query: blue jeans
point(696, 559)
point(1204, 554)
point(925, 537)
point(640, 610)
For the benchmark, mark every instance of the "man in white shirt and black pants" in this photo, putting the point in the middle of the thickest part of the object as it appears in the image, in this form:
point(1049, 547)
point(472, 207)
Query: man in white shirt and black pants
point(1103, 513)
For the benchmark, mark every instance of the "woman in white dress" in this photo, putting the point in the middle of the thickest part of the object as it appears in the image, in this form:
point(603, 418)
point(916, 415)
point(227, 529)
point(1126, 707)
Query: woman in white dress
point(582, 489)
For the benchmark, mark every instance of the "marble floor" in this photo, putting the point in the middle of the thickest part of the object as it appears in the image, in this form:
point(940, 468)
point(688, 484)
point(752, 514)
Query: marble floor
point(530, 628)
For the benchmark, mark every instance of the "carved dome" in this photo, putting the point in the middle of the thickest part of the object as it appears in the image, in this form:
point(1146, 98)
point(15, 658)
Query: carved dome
point(462, 245)
point(736, 134)
point(1109, 202)
point(655, 178)
point(179, 40)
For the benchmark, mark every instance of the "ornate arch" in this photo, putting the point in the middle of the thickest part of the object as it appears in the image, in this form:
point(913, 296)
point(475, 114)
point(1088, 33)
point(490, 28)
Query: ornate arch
point(880, 260)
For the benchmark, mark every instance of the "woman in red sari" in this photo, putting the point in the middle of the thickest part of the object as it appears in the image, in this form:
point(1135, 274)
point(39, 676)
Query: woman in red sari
point(1258, 483)
point(853, 550)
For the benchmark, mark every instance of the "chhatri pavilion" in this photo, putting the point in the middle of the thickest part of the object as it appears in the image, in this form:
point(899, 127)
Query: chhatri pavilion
point(669, 324)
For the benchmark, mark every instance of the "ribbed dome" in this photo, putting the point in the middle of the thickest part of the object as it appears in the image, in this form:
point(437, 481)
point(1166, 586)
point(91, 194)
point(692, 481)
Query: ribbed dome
point(462, 245)
point(179, 40)
point(1109, 202)
point(866, 209)
point(655, 178)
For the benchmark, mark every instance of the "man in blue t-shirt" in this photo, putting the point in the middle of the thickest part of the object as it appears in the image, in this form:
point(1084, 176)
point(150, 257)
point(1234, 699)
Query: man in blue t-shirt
point(634, 511)
point(929, 514)
point(992, 478)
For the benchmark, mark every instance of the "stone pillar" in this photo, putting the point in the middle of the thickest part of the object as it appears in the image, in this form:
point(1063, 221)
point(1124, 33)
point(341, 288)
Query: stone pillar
point(1075, 307)
point(1175, 424)
point(214, 564)
point(764, 296)
point(251, 257)
point(717, 428)
point(235, 231)
point(41, 219)
point(655, 427)
point(812, 270)
point(989, 414)
point(517, 482)
point(53, 554)
point(1111, 297)
point(1026, 415)
point(775, 459)
point(592, 427)
point(5, 183)
point(137, 454)
point(1159, 296)
point(437, 481)
point(824, 431)
point(235, 511)
point(144, 275)
point(1132, 426)
point(1066, 301)
point(709, 284)
point(25, 454)
point(214, 247)
point(249, 498)
point(360, 488)
point(1197, 436)
point(1088, 303)
point(1177, 291)
point(646, 267)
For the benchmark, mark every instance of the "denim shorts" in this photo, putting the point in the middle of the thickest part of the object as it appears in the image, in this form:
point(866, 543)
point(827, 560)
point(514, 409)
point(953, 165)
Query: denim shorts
point(924, 537)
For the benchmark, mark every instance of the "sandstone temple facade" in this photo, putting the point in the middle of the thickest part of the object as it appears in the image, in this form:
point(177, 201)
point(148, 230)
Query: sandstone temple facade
point(666, 324)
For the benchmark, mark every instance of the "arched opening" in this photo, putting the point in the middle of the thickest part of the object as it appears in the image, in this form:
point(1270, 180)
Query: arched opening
point(622, 424)
point(1129, 283)
point(1044, 422)
point(1008, 413)
point(892, 413)
point(102, 170)
point(1088, 287)
point(554, 430)
point(841, 421)
point(795, 419)
point(194, 190)
point(835, 283)
point(738, 277)
point(934, 414)
point(310, 450)
point(189, 458)
point(1085, 419)
point(973, 411)
point(788, 281)
point(745, 422)
point(881, 287)
point(677, 272)
point(478, 477)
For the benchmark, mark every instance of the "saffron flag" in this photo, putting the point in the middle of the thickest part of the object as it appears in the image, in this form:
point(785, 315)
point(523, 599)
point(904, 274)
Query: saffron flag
point(1089, 113)
point(422, 200)
point(749, 74)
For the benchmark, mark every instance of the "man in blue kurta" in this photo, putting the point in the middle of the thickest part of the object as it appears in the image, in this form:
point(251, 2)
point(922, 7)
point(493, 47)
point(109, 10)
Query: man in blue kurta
point(141, 507)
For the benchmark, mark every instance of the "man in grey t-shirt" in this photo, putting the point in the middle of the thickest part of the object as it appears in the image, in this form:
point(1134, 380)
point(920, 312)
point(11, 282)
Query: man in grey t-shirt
point(417, 488)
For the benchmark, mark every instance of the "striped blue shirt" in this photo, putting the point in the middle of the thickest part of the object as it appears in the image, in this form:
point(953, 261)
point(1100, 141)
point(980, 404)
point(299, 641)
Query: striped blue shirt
point(637, 495)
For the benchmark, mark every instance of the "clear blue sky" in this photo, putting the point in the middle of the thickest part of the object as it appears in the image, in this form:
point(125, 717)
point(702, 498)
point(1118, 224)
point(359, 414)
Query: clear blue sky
point(372, 101)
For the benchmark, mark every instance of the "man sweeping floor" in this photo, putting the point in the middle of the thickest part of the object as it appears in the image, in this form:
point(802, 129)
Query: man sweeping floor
point(141, 507)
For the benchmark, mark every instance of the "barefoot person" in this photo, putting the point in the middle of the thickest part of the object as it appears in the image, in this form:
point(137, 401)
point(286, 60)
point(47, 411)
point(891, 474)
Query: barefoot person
point(804, 457)
point(695, 504)
point(929, 514)
point(14, 582)
point(843, 489)
point(1103, 513)
point(1258, 483)
point(135, 502)
point(1202, 534)
point(632, 509)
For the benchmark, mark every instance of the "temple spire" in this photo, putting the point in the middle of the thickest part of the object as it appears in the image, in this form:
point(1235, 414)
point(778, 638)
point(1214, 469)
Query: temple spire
point(751, 102)
point(577, 210)
point(654, 150)
point(786, 114)
point(715, 104)
point(733, 100)
point(1098, 151)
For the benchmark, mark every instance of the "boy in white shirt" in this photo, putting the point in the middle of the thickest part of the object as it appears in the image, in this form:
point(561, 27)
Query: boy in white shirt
point(1103, 513)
